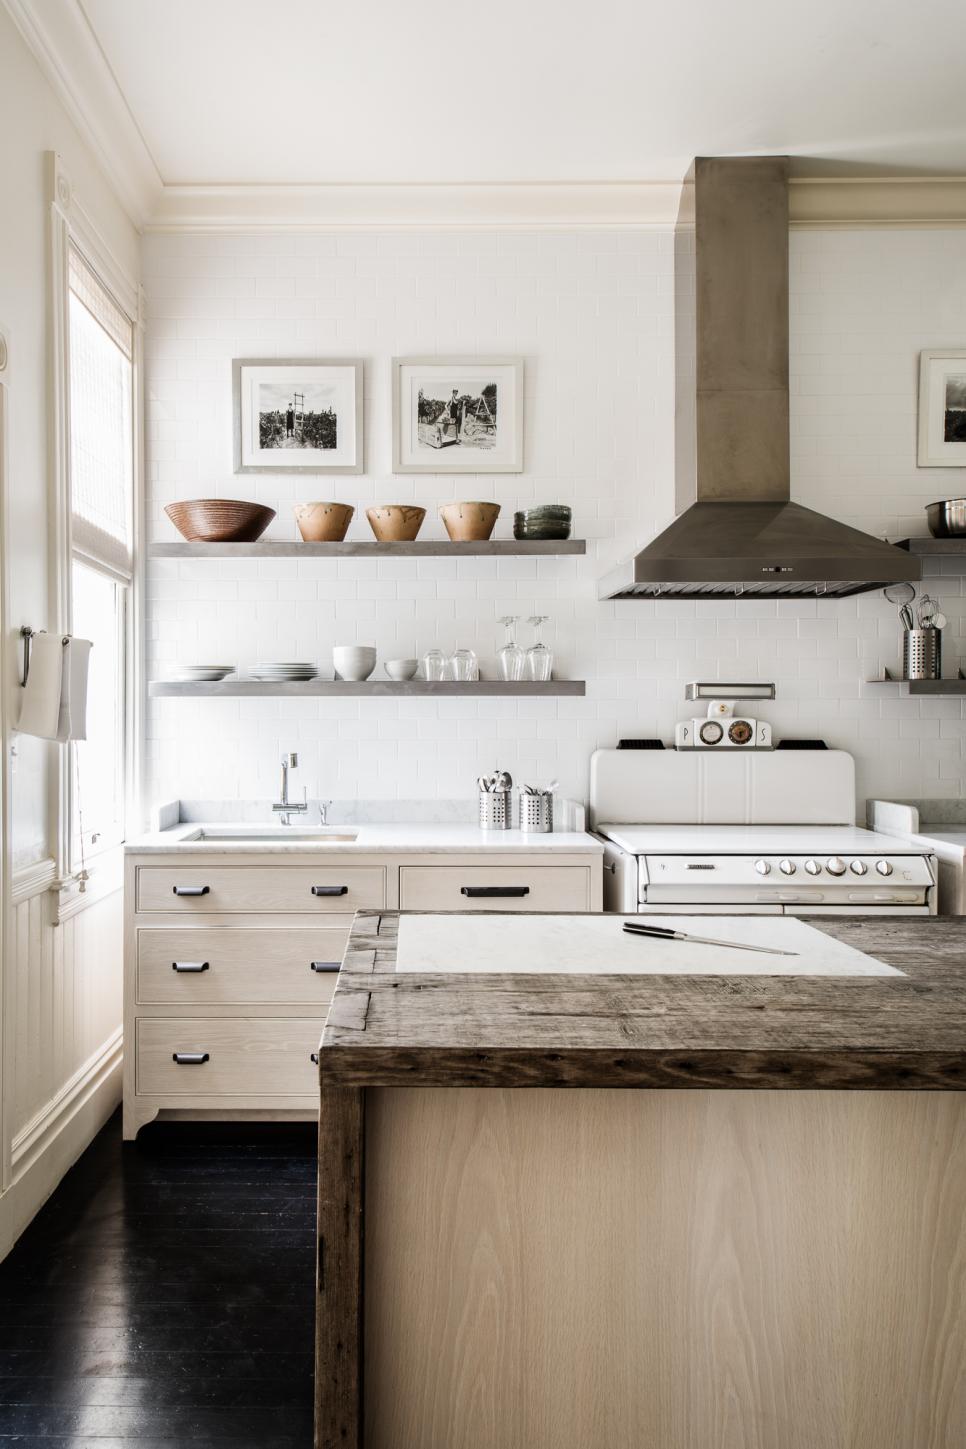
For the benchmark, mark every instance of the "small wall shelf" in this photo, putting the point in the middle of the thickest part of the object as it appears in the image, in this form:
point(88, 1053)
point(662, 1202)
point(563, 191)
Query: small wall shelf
point(379, 688)
point(939, 547)
point(924, 686)
point(432, 548)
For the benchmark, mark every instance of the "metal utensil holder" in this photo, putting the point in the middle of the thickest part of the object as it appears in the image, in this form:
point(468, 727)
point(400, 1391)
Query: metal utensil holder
point(495, 809)
point(922, 653)
point(536, 813)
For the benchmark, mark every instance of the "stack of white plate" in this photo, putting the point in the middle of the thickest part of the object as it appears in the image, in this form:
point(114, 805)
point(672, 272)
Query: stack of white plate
point(282, 673)
point(202, 673)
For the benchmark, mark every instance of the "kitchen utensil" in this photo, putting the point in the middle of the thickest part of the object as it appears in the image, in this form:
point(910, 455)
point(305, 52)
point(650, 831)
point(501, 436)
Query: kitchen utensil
point(495, 809)
point(433, 662)
point(633, 929)
point(323, 522)
point(469, 521)
point(899, 593)
point(219, 520)
point(947, 518)
point(401, 669)
point(539, 657)
point(395, 522)
point(926, 610)
point(922, 654)
point(503, 780)
point(511, 660)
point(353, 662)
point(536, 811)
point(905, 617)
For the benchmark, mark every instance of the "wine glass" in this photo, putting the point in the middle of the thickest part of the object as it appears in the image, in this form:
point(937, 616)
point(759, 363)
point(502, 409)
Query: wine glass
point(539, 657)
point(510, 660)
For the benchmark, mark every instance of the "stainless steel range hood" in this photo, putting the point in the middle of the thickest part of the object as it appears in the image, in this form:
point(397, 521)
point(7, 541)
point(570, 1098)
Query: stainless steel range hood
point(739, 535)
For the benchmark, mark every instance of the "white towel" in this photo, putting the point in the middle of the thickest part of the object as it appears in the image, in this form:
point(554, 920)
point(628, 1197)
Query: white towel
point(54, 703)
point(72, 716)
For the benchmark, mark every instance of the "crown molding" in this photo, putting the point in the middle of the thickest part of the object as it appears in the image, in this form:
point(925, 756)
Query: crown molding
point(60, 39)
point(813, 202)
point(547, 205)
point(874, 201)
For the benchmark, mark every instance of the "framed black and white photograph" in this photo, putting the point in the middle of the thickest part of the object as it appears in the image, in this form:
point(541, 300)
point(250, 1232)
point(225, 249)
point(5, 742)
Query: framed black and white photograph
point(942, 408)
point(457, 415)
point(298, 417)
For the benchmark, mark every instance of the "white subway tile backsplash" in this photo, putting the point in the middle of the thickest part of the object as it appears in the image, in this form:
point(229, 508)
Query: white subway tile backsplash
point(592, 313)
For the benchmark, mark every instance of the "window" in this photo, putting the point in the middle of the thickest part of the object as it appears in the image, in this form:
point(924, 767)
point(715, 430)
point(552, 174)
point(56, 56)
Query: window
point(101, 508)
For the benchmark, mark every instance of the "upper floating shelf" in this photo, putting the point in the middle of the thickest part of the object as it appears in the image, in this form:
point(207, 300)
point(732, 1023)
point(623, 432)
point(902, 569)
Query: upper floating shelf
point(432, 548)
point(948, 547)
point(380, 688)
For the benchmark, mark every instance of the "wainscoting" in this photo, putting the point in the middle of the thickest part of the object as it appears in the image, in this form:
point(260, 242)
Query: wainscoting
point(62, 1039)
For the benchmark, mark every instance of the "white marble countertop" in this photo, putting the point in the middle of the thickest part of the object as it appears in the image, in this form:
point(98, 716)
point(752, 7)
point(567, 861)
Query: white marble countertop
point(428, 839)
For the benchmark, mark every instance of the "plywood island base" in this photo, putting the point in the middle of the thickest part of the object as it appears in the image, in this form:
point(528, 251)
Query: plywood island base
point(570, 1211)
point(560, 1269)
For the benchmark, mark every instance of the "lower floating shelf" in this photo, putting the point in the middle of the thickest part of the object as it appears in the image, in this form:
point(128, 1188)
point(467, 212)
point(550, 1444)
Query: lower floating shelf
point(379, 688)
point(924, 686)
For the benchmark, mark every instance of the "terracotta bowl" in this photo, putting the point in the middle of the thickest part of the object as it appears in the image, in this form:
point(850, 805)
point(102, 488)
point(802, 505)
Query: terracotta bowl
point(395, 522)
point(219, 520)
point(466, 522)
point(323, 522)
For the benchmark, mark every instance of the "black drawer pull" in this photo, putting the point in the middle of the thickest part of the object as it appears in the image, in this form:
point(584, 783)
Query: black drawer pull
point(191, 966)
point(494, 892)
point(314, 1058)
point(325, 965)
point(191, 890)
point(330, 890)
point(189, 1059)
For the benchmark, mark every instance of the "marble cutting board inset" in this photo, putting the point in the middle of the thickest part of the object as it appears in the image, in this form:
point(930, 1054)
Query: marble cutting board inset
point(598, 945)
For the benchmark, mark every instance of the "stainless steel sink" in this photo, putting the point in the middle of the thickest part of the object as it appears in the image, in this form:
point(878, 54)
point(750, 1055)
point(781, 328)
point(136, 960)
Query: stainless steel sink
point(272, 834)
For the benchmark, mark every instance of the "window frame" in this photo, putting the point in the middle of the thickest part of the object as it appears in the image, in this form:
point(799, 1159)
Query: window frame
point(70, 227)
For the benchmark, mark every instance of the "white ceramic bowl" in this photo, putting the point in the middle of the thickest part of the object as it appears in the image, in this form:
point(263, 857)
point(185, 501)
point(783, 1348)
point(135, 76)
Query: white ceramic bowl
point(401, 669)
point(353, 662)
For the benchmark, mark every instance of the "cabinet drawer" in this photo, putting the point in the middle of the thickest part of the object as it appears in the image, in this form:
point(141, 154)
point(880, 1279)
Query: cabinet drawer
point(494, 888)
point(239, 1056)
point(228, 966)
point(260, 890)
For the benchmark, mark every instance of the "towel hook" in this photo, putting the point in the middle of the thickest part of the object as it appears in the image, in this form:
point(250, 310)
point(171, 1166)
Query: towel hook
point(27, 634)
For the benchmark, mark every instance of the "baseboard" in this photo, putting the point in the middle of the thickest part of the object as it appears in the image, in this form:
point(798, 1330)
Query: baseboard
point(50, 1144)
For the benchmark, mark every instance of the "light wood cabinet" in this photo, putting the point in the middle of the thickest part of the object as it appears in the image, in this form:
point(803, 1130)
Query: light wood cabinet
point(523, 887)
point(231, 960)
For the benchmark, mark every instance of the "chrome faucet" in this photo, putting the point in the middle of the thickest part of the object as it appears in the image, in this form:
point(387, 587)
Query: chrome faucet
point(285, 808)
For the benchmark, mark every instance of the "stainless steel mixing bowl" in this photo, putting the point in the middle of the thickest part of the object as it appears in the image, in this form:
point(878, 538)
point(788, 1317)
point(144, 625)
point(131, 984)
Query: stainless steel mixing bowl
point(947, 519)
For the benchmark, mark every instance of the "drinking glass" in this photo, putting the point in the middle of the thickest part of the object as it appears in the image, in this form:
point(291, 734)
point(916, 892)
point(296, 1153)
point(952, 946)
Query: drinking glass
point(511, 660)
point(462, 665)
point(539, 657)
point(433, 664)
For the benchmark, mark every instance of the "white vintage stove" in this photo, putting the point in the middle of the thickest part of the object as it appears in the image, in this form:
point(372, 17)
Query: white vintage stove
point(749, 831)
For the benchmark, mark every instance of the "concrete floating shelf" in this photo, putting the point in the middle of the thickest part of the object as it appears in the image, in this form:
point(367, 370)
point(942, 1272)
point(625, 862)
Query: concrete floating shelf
point(432, 548)
point(945, 547)
point(377, 688)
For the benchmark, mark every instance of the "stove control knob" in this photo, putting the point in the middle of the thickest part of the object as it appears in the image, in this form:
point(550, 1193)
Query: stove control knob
point(813, 867)
point(883, 867)
point(835, 865)
point(762, 867)
point(859, 867)
point(787, 867)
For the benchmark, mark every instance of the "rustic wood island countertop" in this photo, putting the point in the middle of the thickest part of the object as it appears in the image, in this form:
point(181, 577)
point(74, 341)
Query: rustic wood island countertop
point(516, 1030)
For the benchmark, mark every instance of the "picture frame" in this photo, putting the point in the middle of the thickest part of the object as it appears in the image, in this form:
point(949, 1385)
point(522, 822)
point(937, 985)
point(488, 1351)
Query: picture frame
point(457, 415)
point(942, 408)
point(295, 415)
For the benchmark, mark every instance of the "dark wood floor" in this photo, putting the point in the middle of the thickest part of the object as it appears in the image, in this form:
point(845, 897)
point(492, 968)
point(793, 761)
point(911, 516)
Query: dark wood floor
point(164, 1295)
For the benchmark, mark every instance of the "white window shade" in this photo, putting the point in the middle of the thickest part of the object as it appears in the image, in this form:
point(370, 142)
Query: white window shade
point(101, 453)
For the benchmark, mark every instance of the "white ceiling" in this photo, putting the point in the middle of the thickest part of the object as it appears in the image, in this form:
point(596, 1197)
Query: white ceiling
point(375, 91)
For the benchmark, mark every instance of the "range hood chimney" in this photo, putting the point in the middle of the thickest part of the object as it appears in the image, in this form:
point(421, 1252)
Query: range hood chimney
point(739, 535)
